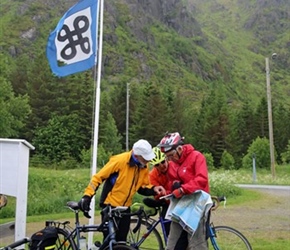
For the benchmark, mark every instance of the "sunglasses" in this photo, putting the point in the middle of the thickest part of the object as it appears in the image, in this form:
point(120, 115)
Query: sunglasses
point(157, 165)
point(169, 156)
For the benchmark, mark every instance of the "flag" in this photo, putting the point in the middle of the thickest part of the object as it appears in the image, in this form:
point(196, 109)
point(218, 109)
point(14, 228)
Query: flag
point(72, 46)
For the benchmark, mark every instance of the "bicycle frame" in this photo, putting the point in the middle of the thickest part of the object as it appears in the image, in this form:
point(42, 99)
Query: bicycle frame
point(74, 233)
point(153, 224)
point(212, 236)
point(163, 222)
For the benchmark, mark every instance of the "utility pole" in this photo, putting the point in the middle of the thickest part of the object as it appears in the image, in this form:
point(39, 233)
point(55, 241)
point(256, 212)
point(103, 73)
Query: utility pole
point(127, 116)
point(270, 121)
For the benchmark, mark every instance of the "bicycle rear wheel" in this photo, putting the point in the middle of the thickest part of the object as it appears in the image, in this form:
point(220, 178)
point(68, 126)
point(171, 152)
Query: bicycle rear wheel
point(227, 238)
point(121, 247)
point(141, 239)
point(64, 241)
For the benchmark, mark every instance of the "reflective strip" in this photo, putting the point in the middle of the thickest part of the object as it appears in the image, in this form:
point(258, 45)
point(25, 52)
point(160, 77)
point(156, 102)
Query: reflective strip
point(93, 186)
point(50, 247)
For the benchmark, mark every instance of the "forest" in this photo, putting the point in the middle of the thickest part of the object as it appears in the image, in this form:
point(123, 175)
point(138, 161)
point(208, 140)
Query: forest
point(208, 81)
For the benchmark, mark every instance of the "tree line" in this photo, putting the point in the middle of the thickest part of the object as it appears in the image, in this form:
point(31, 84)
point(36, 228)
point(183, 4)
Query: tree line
point(56, 116)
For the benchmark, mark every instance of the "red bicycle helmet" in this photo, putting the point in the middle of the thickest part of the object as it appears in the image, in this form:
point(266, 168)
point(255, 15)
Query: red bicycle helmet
point(170, 141)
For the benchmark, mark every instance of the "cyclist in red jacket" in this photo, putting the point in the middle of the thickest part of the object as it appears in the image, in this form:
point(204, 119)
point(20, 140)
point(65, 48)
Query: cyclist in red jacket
point(187, 173)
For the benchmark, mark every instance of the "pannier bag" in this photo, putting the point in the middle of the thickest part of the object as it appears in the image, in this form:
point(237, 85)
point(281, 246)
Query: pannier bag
point(44, 239)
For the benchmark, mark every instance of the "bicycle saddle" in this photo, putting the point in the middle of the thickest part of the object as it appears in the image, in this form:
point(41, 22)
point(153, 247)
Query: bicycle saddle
point(73, 205)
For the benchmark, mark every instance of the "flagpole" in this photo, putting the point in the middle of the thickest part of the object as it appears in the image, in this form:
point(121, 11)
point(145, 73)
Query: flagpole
point(97, 112)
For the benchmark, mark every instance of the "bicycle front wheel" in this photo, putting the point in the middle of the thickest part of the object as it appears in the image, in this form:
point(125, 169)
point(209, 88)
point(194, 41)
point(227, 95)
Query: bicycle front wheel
point(143, 239)
point(64, 241)
point(227, 238)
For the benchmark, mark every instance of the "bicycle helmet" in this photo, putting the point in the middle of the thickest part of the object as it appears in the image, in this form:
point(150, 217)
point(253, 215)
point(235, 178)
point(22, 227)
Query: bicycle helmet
point(159, 156)
point(170, 141)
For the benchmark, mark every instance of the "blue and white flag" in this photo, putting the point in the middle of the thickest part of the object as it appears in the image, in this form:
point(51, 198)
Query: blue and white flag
point(72, 46)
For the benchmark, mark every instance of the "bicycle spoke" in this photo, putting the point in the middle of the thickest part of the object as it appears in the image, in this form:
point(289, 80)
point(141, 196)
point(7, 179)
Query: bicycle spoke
point(63, 242)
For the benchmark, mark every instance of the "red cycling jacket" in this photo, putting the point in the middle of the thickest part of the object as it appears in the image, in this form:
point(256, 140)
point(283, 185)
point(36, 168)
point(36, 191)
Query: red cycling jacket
point(158, 179)
point(190, 171)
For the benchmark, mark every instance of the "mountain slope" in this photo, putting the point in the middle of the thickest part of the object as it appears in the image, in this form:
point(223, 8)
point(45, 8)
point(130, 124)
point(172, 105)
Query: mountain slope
point(193, 45)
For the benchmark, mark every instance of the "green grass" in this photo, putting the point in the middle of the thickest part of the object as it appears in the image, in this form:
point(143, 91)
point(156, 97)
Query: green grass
point(246, 196)
point(263, 176)
point(49, 189)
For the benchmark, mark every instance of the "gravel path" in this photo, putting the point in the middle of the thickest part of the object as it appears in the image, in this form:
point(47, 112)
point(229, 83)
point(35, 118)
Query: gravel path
point(268, 218)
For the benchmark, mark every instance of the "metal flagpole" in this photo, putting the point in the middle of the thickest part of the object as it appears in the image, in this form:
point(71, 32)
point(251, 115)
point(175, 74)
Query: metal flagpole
point(97, 112)
point(271, 139)
point(127, 116)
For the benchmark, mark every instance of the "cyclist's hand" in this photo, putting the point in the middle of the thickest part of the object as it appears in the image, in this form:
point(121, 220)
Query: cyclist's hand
point(178, 193)
point(159, 190)
point(175, 185)
point(84, 205)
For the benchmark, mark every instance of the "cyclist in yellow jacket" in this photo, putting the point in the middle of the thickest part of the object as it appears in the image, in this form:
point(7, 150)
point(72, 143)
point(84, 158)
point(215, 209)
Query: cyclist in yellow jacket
point(124, 175)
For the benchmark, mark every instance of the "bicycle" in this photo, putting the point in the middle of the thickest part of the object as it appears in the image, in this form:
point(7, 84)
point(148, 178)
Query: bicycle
point(69, 238)
point(147, 235)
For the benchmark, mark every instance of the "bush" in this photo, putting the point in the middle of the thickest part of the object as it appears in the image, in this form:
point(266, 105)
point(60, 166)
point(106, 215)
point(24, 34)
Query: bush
point(286, 155)
point(40, 161)
point(221, 184)
point(261, 150)
point(59, 138)
point(227, 161)
point(102, 159)
point(209, 161)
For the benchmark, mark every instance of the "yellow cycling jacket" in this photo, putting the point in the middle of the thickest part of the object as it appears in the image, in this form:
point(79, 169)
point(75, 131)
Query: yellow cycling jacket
point(129, 178)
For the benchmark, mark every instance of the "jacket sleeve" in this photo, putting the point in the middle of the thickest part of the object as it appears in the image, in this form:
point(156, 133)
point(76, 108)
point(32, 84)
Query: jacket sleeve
point(146, 191)
point(146, 188)
point(98, 178)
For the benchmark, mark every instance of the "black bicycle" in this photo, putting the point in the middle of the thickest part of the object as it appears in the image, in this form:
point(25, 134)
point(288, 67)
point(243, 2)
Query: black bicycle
point(69, 238)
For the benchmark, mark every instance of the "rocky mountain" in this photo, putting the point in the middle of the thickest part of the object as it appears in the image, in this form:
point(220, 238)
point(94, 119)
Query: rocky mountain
point(193, 45)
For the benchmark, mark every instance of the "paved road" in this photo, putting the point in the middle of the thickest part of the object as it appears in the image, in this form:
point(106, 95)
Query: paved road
point(273, 187)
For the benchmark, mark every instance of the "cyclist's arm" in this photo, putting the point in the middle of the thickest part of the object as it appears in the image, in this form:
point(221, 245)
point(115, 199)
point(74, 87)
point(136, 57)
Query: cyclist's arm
point(146, 191)
point(99, 177)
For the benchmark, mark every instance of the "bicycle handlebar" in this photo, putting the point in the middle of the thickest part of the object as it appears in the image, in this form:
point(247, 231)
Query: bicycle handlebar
point(16, 244)
point(217, 200)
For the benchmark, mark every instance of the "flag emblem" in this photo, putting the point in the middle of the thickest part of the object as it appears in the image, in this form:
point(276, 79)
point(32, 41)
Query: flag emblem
point(71, 47)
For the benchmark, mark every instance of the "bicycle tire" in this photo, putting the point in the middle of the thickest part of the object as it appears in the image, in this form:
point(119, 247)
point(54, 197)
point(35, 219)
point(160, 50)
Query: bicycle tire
point(64, 241)
point(228, 238)
point(121, 247)
point(153, 240)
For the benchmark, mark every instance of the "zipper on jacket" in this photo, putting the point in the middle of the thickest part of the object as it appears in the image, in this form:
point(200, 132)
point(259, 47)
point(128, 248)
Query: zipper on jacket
point(133, 182)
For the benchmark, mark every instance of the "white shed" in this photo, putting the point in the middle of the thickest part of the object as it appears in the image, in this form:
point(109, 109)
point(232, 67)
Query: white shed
point(14, 162)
